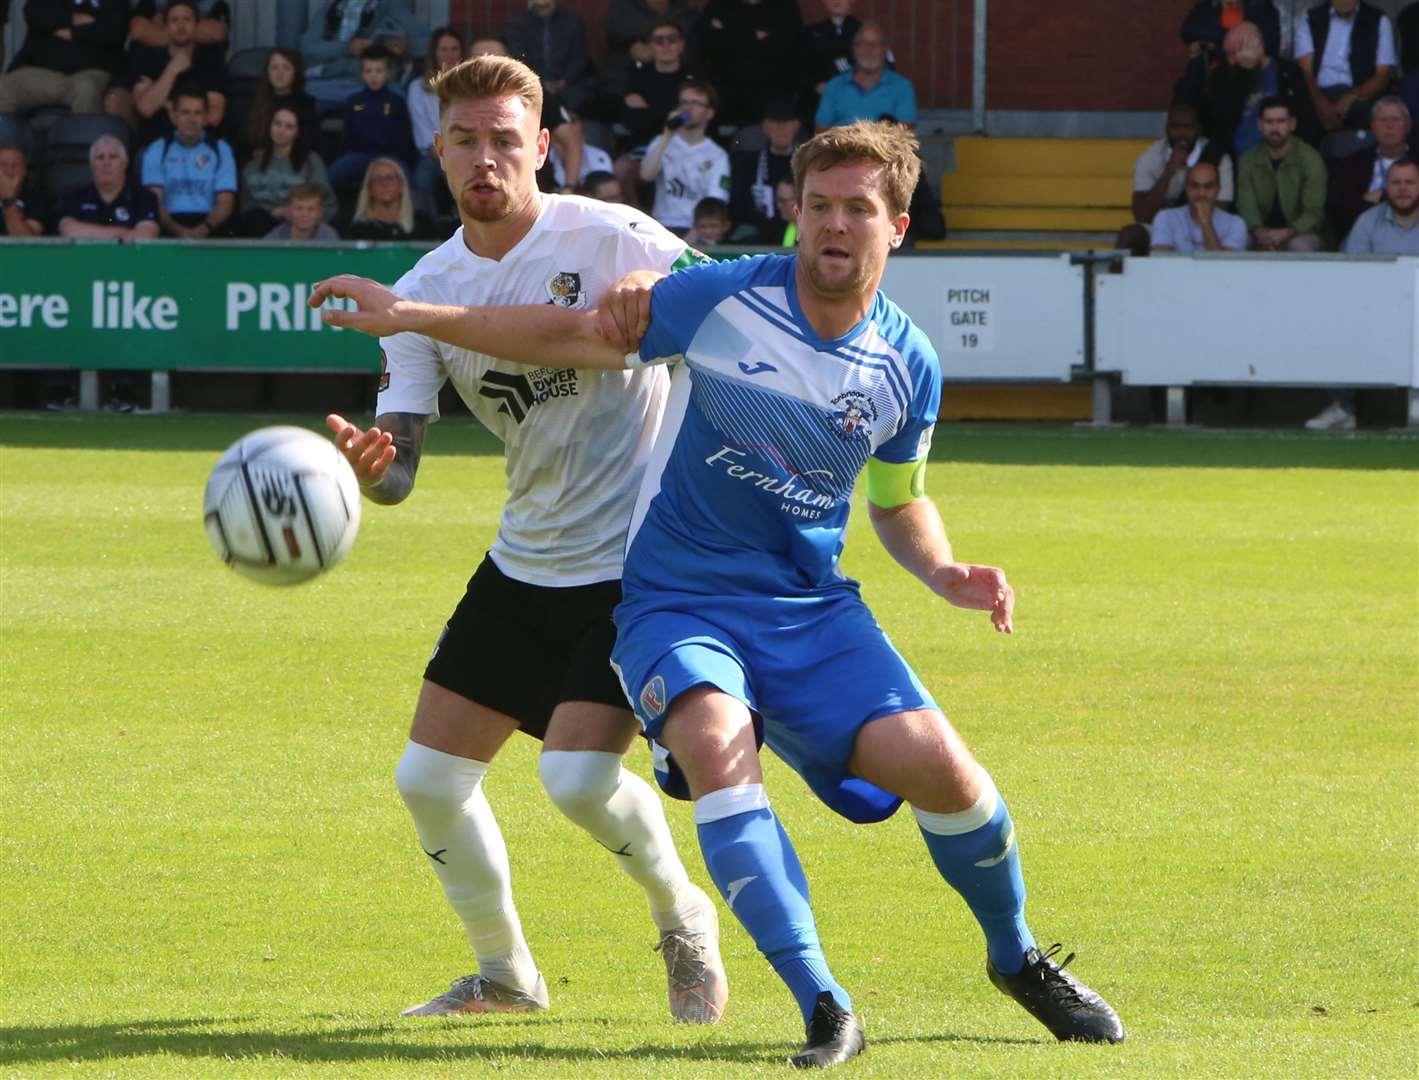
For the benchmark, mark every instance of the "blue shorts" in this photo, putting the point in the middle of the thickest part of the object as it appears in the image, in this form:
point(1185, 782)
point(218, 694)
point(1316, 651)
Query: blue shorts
point(813, 670)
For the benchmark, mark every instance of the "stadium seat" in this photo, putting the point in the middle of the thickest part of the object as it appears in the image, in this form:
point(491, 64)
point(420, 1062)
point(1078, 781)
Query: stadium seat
point(1065, 193)
point(14, 131)
point(66, 149)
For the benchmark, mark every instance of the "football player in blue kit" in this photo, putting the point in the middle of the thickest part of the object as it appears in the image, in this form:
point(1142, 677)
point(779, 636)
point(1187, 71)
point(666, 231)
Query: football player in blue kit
point(737, 625)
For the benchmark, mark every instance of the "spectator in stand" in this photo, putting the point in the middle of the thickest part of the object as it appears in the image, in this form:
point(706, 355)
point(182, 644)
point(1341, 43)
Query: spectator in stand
point(1234, 91)
point(603, 187)
point(753, 173)
point(1201, 225)
point(302, 220)
point(712, 223)
point(653, 84)
point(683, 162)
point(72, 50)
point(552, 42)
point(1281, 185)
point(385, 210)
point(1205, 27)
point(376, 123)
point(782, 229)
point(334, 43)
point(110, 208)
point(826, 51)
point(146, 29)
point(282, 85)
point(1357, 182)
point(629, 26)
point(284, 161)
point(567, 136)
point(1346, 50)
point(1160, 172)
point(445, 50)
point(749, 51)
point(20, 214)
point(192, 173)
point(155, 70)
point(871, 90)
point(1392, 227)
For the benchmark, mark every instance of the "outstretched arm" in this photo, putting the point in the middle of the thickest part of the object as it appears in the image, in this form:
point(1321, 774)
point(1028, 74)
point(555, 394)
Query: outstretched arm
point(543, 335)
point(386, 457)
point(914, 536)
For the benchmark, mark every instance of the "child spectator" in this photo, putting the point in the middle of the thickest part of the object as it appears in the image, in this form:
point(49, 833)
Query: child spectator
point(335, 41)
point(284, 161)
point(282, 84)
point(305, 206)
point(376, 123)
point(753, 173)
point(19, 209)
point(782, 229)
point(682, 161)
point(384, 210)
point(192, 173)
point(445, 50)
point(711, 223)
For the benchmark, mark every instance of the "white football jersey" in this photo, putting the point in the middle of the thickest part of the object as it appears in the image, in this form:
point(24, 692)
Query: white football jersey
point(576, 441)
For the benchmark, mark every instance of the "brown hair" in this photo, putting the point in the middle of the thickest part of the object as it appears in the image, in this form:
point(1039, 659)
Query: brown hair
point(306, 191)
point(710, 93)
point(431, 64)
point(489, 77)
point(880, 142)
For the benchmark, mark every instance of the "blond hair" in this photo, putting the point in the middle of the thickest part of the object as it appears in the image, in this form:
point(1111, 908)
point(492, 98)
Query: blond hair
point(406, 204)
point(880, 142)
point(489, 77)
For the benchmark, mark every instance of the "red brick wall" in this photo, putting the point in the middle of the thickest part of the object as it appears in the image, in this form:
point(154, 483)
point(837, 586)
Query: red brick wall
point(1043, 54)
point(1083, 54)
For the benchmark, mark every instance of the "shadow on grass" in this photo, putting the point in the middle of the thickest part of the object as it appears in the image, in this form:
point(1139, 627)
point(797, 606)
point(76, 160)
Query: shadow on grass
point(978, 444)
point(24, 1045)
point(211, 432)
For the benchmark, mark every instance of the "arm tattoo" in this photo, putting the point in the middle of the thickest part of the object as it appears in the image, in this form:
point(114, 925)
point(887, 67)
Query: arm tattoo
point(408, 431)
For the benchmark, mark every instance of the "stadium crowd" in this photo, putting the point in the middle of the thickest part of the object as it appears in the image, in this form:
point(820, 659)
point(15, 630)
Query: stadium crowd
point(693, 115)
point(125, 119)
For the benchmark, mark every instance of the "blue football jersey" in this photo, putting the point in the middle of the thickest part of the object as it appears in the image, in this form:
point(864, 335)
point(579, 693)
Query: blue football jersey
point(767, 427)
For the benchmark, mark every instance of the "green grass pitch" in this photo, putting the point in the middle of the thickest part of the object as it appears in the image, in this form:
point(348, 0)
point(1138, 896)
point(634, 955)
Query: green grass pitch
point(1205, 725)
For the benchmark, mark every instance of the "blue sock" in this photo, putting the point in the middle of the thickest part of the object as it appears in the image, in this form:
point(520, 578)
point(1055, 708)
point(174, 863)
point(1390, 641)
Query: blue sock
point(756, 870)
point(975, 851)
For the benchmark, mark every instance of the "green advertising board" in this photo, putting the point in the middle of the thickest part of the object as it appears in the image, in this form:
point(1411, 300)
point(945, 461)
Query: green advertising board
point(166, 306)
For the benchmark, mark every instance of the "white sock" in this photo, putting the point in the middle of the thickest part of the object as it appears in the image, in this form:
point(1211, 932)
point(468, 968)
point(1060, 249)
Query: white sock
point(623, 814)
point(464, 846)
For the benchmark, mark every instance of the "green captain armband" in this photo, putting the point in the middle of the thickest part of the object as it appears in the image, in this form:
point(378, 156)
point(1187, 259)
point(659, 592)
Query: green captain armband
point(892, 483)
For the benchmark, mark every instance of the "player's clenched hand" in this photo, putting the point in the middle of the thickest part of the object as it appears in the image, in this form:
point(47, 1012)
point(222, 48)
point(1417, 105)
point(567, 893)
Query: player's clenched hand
point(623, 314)
point(378, 314)
point(981, 588)
point(370, 453)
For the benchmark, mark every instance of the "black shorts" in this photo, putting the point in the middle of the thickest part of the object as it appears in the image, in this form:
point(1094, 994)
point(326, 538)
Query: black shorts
point(523, 649)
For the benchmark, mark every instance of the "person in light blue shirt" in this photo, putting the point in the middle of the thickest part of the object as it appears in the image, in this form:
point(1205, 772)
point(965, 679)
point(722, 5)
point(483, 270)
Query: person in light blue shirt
point(192, 174)
point(1200, 225)
point(795, 375)
point(871, 90)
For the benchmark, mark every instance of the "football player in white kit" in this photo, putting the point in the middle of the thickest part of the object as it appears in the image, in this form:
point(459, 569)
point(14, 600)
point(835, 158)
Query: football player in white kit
point(576, 447)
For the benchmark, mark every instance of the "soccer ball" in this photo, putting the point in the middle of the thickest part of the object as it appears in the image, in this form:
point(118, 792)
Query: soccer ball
point(282, 505)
